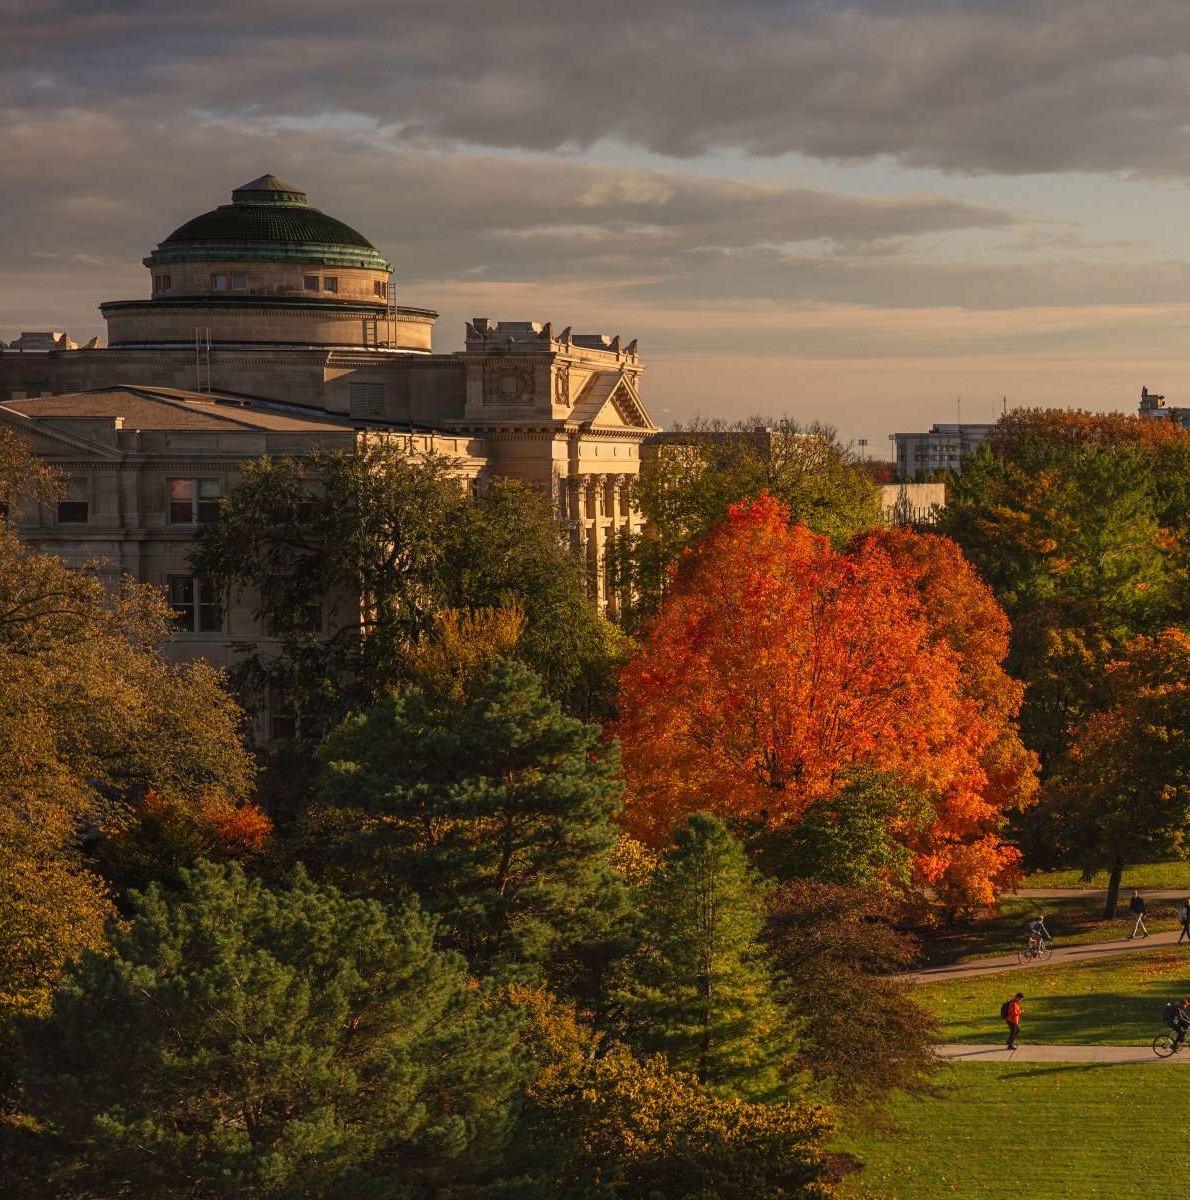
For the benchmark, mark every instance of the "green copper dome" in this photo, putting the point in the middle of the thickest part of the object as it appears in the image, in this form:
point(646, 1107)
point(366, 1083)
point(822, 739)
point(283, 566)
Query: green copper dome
point(268, 221)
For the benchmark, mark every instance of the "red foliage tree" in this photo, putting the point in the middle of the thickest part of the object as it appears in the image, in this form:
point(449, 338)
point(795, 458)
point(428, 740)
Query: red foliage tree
point(777, 664)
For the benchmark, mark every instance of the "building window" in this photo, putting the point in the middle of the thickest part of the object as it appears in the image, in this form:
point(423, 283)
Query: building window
point(73, 508)
point(381, 289)
point(311, 282)
point(196, 604)
point(219, 283)
point(365, 400)
point(330, 283)
point(162, 283)
point(239, 281)
point(193, 501)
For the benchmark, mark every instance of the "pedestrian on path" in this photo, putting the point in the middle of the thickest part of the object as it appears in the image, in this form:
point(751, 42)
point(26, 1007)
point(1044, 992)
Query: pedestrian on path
point(1138, 906)
point(1010, 1010)
point(1184, 917)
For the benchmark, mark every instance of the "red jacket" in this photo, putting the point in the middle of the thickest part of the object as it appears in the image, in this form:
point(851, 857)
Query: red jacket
point(1014, 1012)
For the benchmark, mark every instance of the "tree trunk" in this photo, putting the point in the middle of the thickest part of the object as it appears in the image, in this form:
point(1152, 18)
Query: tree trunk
point(1113, 887)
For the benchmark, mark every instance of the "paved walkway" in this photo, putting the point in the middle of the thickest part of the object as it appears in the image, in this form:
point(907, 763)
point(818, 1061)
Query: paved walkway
point(1056, 1054)
point(1101, 894)
point(1062, 954)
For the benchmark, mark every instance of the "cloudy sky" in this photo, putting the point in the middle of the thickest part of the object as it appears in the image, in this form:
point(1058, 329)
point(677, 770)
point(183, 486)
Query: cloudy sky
point(852, 212)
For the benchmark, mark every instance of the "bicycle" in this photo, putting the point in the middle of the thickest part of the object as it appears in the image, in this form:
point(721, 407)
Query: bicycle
point(1165, 1044)
point(1036, 949)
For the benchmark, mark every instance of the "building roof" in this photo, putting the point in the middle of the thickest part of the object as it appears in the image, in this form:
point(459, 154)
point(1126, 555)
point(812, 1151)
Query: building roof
point(174, 408)
point(268, 220)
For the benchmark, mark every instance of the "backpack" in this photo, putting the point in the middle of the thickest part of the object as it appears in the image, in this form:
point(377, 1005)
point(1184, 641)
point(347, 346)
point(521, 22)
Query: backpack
point(1170, 1011)
point(1004, 1010)
point(1137, 905)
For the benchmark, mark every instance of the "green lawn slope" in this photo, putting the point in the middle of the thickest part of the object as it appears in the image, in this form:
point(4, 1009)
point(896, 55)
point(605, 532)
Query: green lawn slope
point(1038, 1131)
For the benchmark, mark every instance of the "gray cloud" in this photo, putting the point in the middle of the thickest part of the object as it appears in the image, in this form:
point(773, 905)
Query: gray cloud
point(93, 193)
point(1014, 86)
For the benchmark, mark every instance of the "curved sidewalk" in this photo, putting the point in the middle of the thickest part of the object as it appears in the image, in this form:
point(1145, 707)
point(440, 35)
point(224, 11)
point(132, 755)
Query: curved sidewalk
point(1055, 1054)
point(1100, 894)
point(1062, 954)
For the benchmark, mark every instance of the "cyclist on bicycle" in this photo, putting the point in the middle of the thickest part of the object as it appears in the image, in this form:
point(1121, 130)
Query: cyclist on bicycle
point(1177, 1016)
point(1038, 932)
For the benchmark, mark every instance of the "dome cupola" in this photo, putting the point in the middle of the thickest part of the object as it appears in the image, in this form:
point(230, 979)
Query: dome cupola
point(268, 220)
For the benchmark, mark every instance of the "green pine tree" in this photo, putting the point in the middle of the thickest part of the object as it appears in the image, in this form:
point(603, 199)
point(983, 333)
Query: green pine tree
point(245, 1042)
point(493, 807)
point(700, 990)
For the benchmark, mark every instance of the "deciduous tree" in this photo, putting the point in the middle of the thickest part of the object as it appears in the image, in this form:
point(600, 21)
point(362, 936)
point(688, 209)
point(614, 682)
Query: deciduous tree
point(92, 718)
point(612, 1125)
point(776, 666)
point(835, 952)
point(1123, 795)
point(687, 486)
point(376, 545)
point(1079, 523)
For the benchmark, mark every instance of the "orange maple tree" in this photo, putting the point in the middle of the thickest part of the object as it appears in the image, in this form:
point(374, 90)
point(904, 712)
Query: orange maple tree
point(778, 664)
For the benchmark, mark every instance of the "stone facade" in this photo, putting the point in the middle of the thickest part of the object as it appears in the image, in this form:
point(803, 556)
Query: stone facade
point(274, 306)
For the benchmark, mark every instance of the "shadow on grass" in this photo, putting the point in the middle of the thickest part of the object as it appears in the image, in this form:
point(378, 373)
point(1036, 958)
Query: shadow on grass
point(1002, 930)
point(1060, 1069)
point(1089, 1017)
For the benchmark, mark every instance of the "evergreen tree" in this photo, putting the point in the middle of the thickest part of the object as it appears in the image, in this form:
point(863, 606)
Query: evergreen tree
point(700, 990)
point(489, 804)
point(254, 1043)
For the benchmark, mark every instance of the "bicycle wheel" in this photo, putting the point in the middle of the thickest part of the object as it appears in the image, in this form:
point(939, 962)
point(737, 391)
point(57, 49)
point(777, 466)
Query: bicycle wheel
point(1163, 1045)
point(1045, 950)
point(1025, 955)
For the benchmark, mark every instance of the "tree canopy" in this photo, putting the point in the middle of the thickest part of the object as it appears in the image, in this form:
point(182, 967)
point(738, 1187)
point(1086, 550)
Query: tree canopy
point(699, 990)
point(1123, 794)
point(690, 480)
point(262, 1043)
point(1079, 522)
point(489, 804)
point(777, 665)
point(376, 545)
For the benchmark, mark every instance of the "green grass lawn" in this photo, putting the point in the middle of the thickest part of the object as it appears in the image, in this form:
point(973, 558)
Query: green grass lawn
point(1071, 919)
point(1144, 875)
point(1030, 1131)
point(1108, 1001)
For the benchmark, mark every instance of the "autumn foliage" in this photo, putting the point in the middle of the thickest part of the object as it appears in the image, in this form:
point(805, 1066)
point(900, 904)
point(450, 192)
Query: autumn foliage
point(778, 664)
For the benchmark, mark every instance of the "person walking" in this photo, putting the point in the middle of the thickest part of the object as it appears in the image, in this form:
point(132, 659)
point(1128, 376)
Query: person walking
point(1138, 906)
point(1184, 917)
point(1010, 1010)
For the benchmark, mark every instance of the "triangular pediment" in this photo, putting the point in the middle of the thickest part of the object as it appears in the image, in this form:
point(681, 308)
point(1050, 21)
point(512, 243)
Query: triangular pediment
point(47, 441)
point(610, 401)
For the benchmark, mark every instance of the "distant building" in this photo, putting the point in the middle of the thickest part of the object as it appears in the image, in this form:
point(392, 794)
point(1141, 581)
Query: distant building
point(911, 503)
point(943, 448)
point(1153, 408)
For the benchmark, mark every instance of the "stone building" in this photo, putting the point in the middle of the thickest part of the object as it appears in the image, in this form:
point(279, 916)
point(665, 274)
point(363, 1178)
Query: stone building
point(942, 448)
point(271, 327)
